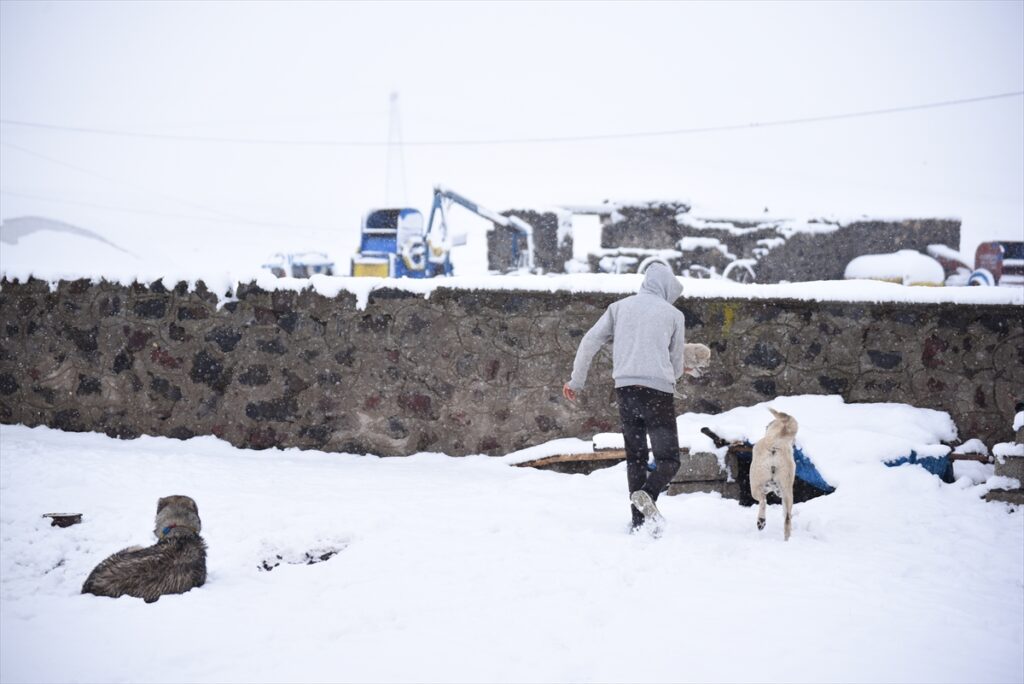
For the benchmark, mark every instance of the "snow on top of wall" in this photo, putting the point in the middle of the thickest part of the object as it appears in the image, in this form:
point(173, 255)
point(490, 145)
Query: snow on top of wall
point(791, 227)
point(690, 244)
point(608, 206)
point(1007, 449)
point(689, 221)
point(784, 226)
point(947, 252)
point(612, 209)
point(771, 243)
point(596, 209)
point(972, 446)
point(638, 251)
point(224, 284)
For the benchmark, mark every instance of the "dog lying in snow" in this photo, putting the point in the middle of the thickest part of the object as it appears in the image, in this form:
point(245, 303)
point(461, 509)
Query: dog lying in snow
point(696, 358)
point(772, 469)
point(175, 564)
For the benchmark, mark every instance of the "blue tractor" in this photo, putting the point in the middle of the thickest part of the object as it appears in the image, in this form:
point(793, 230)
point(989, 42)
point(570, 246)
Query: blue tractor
point(394, 242)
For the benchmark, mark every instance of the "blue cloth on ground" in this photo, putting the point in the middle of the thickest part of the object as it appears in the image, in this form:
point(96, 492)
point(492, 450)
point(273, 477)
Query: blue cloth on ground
point(936, 465)
point(805, 469)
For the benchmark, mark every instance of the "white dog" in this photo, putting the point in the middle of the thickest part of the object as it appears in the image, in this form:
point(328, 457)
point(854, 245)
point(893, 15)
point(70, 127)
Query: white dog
point(772, 469)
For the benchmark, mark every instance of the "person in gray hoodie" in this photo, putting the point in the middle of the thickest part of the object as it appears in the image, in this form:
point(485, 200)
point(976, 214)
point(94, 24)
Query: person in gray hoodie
point(647, 333)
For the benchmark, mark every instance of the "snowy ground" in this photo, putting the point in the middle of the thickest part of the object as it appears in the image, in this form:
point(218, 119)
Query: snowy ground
point(469, 569)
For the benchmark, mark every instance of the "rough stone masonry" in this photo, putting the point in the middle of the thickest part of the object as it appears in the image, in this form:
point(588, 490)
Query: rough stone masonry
point(463, 371)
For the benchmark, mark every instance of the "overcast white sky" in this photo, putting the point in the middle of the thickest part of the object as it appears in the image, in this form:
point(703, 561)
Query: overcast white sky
point(486, 71)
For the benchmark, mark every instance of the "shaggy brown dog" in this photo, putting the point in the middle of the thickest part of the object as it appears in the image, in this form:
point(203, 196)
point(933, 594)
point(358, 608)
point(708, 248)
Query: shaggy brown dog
point(696, 358)
point(175, 564)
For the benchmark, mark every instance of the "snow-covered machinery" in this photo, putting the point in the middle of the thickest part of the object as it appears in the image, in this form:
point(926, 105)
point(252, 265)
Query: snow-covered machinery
point(998, 263)
point(394, 242)
point(299, 264)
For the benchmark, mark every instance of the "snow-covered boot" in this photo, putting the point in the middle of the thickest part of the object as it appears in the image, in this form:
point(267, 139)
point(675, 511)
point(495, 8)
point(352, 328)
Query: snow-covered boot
point(654, 522)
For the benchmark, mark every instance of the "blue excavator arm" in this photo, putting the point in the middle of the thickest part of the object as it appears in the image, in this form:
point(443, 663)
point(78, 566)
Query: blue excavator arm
point(437, 233)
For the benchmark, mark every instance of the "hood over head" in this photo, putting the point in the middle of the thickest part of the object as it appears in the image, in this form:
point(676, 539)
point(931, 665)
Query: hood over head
point(659, 280)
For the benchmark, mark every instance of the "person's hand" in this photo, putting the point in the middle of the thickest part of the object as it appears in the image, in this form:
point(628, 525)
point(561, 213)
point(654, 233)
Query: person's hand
point(568, 392)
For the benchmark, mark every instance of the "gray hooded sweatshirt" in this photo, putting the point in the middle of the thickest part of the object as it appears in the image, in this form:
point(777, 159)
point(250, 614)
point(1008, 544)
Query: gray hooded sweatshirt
point(647, 334)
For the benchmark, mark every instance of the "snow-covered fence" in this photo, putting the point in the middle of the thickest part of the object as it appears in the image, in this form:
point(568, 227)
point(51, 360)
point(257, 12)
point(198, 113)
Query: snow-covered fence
point(461, 371)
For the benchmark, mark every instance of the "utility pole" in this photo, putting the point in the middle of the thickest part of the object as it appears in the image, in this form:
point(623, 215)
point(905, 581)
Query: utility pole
point(395, 197)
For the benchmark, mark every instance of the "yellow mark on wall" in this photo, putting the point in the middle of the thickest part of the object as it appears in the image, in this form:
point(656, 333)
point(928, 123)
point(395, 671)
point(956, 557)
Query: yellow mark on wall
point(728, 314)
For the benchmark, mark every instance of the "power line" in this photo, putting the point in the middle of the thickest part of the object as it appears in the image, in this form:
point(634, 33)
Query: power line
point(119, 181)
point(94, 205)
point(514, 141)
point(224, 216)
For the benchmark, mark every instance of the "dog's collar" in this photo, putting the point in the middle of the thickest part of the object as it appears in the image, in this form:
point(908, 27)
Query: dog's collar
point(165, 531)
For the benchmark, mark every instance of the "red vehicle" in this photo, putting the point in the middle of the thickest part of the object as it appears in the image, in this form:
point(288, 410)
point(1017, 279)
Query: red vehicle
point(998, 263)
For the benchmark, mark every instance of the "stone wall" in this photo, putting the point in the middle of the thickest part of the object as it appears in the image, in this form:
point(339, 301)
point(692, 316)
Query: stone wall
point(650, 225)
point(549, 252)
point(824, 256)
point(461, 372)
point(781, 252)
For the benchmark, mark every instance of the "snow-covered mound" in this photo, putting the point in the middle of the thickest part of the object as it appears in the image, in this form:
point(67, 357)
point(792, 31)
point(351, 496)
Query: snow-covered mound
point(13, 231)
point(59, 247)
point(843, 440)
point(840, 438)
point(905, 266)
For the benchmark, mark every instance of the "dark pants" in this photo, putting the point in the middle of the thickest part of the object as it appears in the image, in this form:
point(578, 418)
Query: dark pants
point(648, 412)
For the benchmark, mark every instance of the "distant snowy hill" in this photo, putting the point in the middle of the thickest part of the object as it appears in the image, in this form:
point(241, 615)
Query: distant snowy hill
point(33, 242)
point(37, 245)
point(13, 230)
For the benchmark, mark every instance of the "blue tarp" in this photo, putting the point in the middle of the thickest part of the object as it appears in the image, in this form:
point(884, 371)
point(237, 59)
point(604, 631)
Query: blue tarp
point(805, 469)
point(941, 466)
point(936, 465)
point(808, 483)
